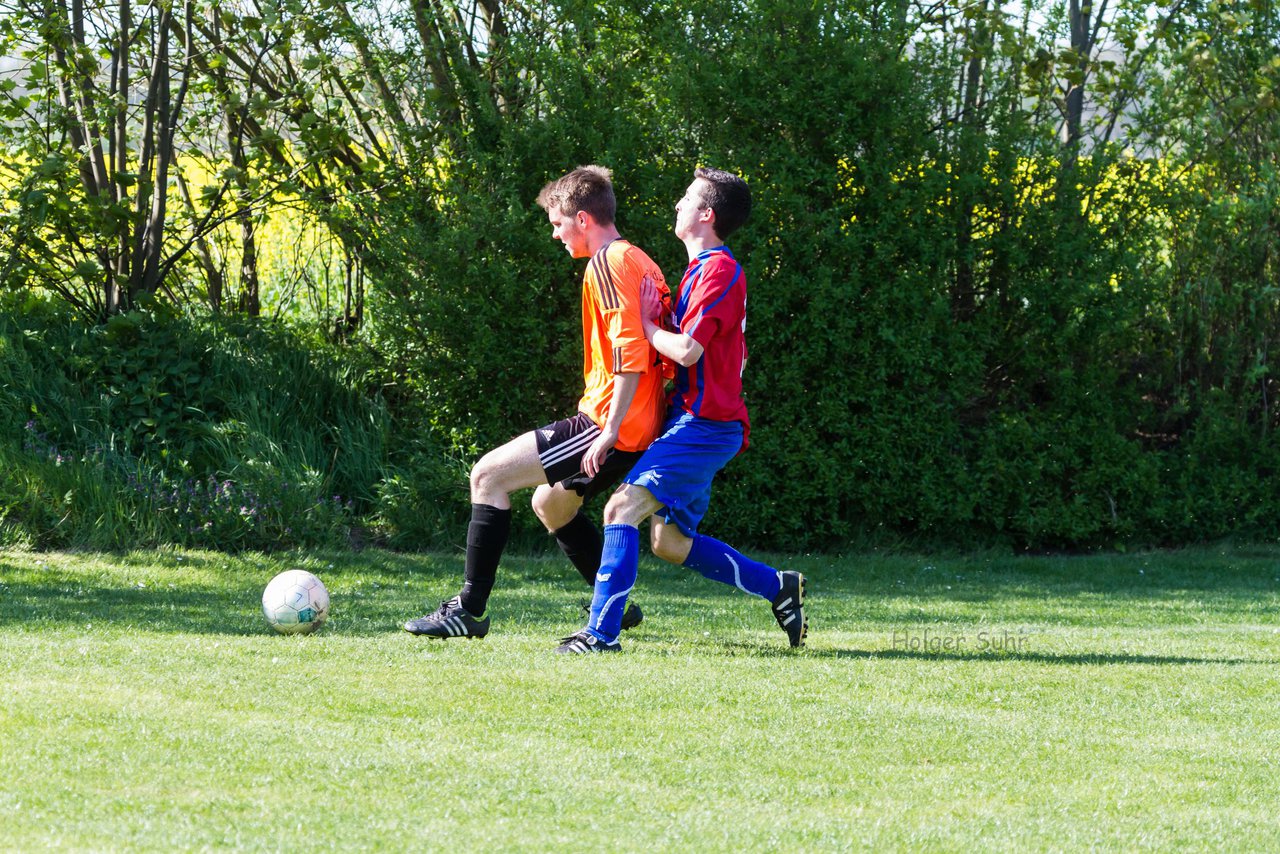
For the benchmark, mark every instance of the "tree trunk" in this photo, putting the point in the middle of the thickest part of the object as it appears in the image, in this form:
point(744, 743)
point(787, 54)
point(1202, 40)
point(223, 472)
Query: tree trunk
point(250, 302)
point(1084, 35)
point(972, 143)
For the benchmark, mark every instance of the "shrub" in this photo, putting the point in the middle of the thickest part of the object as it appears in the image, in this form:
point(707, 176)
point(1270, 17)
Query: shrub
point(156, 428)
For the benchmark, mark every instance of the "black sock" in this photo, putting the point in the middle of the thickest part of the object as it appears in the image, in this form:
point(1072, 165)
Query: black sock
point(486, 538)
point(581, 543)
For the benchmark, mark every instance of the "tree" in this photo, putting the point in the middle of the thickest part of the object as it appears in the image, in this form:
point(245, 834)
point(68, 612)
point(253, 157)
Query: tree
point(117, 112)
point(93, 138)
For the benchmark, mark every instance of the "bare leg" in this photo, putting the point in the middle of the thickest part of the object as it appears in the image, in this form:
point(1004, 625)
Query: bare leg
point(503, 470)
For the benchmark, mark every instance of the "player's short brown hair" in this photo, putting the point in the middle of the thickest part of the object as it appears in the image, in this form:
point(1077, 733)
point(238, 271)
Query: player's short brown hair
point(587, 188)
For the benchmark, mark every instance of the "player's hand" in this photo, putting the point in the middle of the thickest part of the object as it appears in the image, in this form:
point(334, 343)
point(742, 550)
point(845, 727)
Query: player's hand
point(651, 305)
point(594, 458)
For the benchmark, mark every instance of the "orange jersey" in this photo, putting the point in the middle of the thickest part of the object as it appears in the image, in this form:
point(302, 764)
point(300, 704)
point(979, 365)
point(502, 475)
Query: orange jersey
point(614, 343)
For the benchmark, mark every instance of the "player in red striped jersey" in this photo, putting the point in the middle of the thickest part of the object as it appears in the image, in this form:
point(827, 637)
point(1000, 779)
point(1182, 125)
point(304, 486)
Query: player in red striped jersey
point(706, 427)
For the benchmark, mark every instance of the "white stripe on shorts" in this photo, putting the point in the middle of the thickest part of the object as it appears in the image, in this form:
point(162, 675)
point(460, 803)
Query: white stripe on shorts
point(577, 445)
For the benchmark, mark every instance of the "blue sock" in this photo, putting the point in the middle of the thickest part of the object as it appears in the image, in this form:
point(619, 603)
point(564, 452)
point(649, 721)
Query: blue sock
point(719, 562)
point(619, 563)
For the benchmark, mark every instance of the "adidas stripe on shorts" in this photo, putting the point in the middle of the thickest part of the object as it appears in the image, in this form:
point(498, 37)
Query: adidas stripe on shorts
point(561, 445)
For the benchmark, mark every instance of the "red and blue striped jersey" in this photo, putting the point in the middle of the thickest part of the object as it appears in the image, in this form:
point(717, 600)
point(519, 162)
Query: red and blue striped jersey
point(712, 309)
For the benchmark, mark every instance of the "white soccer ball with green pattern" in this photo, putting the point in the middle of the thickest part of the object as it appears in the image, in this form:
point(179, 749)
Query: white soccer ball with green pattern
point(295, 602)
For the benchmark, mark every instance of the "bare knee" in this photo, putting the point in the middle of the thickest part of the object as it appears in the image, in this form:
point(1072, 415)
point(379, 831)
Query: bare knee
point(621, 511)
point(482, 477)
point(613, 509)
point(541, 508)
point(555, 507)
point(669, 543)
point(489, 482)
point(630, 505)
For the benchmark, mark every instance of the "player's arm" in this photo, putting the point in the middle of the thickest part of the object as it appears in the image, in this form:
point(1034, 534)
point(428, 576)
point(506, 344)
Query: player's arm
point(631, 354)
point(676, 346)
point(624, 391)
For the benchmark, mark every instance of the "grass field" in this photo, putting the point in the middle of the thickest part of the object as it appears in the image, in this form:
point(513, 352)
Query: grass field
point(943, 703)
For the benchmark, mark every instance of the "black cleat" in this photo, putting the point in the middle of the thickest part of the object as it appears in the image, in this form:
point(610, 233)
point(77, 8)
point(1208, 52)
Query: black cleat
point(450, 620)
point(584, 642)
point(788, 608)
point(631, 617)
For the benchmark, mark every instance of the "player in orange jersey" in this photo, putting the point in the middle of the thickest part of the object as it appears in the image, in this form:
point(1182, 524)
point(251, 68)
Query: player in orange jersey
point(619, 415)
point(706, 428)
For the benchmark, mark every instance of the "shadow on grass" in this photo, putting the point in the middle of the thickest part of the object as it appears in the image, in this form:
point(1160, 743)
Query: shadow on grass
point(195, 610)
point(374, 592)
point(747, 649)
point(1138, 576)
point(1074, 659)
point(210, 594)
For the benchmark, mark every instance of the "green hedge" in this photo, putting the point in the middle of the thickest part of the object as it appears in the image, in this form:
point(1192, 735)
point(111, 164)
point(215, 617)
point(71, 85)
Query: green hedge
point(944, 349)
point(958, 335)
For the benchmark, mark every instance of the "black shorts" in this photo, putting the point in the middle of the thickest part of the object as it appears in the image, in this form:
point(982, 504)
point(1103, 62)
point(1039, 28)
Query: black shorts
point(560, 449)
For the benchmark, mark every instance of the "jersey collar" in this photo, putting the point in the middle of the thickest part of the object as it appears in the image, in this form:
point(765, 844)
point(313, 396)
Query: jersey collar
point(707, 253)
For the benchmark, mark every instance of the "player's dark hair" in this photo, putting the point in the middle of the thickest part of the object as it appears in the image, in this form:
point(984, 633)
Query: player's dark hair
point(587, 188)
point(727, 195)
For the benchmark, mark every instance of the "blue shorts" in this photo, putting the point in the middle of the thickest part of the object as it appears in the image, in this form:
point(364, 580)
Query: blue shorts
point(679, 466)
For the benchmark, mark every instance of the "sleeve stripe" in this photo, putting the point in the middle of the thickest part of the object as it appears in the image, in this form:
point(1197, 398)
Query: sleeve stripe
point(595, 278)
point(604, 280)
point(608, 275)
point(617, 360)
point(737, 274)
point(691, 327)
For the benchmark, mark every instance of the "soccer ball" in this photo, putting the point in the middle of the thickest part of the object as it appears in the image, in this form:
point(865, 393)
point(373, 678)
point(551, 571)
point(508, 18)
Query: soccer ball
point(295, 602)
